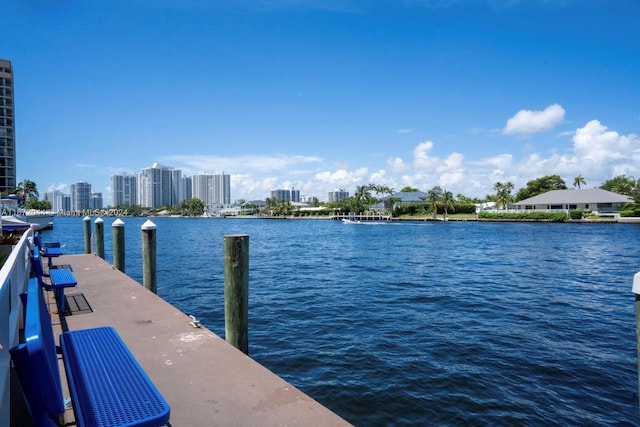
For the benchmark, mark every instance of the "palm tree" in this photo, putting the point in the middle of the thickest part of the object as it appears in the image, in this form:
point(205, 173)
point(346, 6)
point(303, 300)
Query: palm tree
point(579, 180)
point(447, 203)
point(362, 198)
point(433, 197)
point(503, 193)
point(26, 189)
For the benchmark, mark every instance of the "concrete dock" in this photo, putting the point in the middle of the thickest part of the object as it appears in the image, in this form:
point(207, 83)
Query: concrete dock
point(206, 381)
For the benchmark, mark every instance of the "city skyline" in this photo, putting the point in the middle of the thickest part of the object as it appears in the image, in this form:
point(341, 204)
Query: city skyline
point(318, 97)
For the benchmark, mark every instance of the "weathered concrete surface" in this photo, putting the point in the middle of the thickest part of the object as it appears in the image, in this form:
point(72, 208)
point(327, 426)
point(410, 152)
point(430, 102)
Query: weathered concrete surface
point(206, 381)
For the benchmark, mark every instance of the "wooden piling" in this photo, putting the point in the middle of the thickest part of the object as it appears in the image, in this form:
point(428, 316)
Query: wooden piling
point(149, 256)
point(87, 235)
point(236, 291)
point(100, 237)
point(118, 244)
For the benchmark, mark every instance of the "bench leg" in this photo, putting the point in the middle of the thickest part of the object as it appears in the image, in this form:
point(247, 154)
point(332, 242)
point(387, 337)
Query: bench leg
point(59, 294)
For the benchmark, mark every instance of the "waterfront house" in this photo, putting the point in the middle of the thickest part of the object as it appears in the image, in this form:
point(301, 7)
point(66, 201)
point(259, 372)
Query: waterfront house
point(402, 198)
point(594, 199)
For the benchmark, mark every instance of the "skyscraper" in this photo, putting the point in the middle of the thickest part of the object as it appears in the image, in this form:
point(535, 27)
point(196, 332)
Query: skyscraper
point(159, 186)
point(7, 129)
point(212, 189)
point(337, 195)
point(55, 198)
point(124, 190)
point(80, 196)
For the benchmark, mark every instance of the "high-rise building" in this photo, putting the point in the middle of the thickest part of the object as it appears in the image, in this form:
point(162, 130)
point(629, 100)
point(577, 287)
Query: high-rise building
point(295, 195)
point(7, 129)
point(337, 195)
point(212, 189)
point(95, 201)
point(55, 198)
point(282, 195)
point(187, 190)
point(80, 196)
point(177, 191)
point(221, 189)
point(124, 190)
point(159, 186)
point(292, 195)
point(66, 202)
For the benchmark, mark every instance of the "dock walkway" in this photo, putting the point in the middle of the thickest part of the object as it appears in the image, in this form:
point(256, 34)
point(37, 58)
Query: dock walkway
point(205, 380)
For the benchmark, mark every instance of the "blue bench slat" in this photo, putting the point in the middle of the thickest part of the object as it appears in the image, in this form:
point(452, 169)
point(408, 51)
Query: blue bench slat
point(103, 375)
point(36, 360)
point(108, 386)
point(62, 277)
point(50, 251)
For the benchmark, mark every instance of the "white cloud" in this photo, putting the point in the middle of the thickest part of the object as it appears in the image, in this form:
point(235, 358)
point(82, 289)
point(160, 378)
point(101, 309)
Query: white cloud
point(501, 161)
point(397, 164)
point(342, 177)
point(421, 159)
point(453, 161)
point(59, 186)
point(594, 143)
point(406, 130)
point(529, 122)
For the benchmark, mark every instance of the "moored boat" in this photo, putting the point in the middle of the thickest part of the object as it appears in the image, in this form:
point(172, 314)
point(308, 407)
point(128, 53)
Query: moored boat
point(12, 223)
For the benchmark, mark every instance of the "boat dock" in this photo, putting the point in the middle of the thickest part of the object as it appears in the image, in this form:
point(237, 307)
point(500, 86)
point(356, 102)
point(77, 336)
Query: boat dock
point(205, 380)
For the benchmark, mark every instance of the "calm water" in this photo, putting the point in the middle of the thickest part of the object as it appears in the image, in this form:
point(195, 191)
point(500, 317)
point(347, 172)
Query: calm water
point(420, 323)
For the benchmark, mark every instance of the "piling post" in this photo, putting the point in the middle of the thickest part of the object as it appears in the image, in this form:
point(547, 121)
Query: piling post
point(117, 229)
point(236, 291)
point(100, 237)
point(636, 290)
point(87, 234)
point(149, 256)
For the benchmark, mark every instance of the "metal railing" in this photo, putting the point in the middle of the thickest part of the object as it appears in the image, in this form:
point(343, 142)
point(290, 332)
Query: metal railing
point(14, 276)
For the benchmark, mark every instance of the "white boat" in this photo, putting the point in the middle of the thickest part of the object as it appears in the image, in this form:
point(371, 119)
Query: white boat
point(42, 220)
point(349, 221)
point(12, 223)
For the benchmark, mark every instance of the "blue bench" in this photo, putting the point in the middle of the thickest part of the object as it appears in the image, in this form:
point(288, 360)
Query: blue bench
point(108, 387)
point(59, 278)
point(48, 250)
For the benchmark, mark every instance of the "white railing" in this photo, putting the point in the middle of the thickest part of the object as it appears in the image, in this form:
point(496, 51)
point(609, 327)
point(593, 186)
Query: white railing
point(14, 277)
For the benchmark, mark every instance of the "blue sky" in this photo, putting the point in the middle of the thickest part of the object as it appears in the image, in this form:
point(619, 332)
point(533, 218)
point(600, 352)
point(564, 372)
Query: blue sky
point(320, 95)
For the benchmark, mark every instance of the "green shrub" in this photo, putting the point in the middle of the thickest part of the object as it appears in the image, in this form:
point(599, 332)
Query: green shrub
point(631, 212)
point(524, 216)
point(578, 213)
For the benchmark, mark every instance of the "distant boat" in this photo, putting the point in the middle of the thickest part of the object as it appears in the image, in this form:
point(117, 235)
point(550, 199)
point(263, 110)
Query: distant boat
point(349, 221)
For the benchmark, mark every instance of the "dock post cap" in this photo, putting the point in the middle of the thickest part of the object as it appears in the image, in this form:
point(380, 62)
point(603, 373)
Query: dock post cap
point(148, 225)
point(636, 283)
point(86, 218)
point(99, 220)
point(118, 223)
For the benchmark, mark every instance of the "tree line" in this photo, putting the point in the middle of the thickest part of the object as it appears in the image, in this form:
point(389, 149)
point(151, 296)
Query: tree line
point(437, 201)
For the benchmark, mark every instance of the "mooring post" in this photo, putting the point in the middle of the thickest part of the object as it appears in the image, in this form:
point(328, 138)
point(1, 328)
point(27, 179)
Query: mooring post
point(87, 235)
point(117, 229)
point(149, 256)
point(636, 290)
point(100, 237)
point(236, 291)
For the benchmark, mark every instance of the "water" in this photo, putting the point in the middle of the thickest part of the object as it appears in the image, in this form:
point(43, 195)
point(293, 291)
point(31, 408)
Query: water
point(420, 323)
